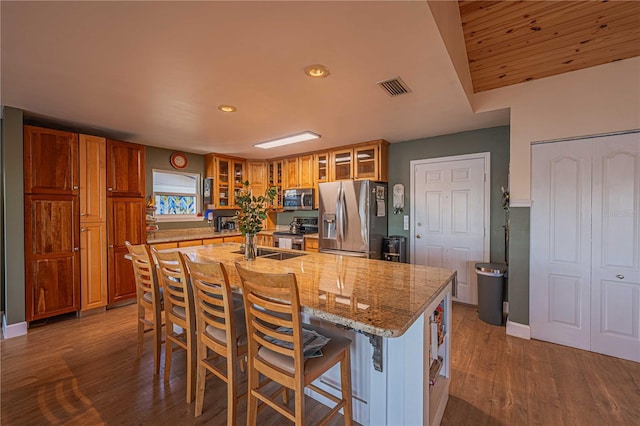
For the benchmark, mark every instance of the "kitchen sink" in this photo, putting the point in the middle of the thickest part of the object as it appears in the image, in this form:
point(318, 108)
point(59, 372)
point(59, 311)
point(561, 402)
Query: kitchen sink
point(274, 254)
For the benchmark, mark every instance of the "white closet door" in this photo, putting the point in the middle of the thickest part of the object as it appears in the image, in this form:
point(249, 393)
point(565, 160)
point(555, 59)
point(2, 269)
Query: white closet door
point(560, 259)
point(615, 292)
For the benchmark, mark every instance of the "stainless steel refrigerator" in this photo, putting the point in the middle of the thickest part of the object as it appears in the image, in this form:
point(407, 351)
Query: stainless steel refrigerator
point(353, 217)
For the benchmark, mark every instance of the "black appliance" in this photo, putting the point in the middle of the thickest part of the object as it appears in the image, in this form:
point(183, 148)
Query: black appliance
point(394, 248)
point(294, 237)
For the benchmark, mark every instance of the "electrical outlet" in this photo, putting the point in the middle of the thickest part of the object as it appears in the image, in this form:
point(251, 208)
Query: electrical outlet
point(406, 222)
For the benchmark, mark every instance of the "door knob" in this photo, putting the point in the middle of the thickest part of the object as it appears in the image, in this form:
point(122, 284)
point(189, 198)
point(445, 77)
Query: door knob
point(419, 236)
point(620, 277)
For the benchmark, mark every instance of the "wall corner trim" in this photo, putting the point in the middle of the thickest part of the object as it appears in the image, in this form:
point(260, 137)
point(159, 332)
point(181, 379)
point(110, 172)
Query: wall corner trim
point(516, 329)
point(13, 330)
point(520, 203)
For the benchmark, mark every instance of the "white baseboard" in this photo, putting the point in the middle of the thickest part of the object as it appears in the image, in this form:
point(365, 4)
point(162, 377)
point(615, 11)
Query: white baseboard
point(516, 329)
point(13, 330)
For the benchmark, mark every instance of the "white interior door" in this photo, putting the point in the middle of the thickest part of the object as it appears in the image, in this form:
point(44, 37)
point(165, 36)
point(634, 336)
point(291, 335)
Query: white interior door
point(615, 292)
point(450, 214)
point(560, 256)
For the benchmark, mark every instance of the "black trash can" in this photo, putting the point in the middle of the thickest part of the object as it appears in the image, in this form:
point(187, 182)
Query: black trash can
point(491, 291)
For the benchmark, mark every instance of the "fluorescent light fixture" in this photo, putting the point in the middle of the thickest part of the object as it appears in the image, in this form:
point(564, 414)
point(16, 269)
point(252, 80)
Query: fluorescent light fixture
point(298, 137)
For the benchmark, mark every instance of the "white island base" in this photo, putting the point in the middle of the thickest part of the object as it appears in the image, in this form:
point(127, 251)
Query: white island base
point(400, 394)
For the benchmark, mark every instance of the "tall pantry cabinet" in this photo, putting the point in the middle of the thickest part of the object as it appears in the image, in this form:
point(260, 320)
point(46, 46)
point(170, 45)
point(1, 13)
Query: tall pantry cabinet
point(126, 208)
point(51, 206)
point(93, 222)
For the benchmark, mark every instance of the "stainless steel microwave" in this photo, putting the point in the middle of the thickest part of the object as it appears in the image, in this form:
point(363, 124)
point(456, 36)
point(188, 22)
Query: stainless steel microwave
point(298, 199)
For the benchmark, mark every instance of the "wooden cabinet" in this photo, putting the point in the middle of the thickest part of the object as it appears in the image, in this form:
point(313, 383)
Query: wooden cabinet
point(265, 240)
point(93, 265)
point(299, 172)
point(50, 161)
point(276, 179)
point(208, 241)
point(321, 173)
point(363, 161)
point(165, 246)
point(93, 225)
point(234, 239)
point(229, 173)
point(311, 244)
point(257, 177)
point(189, 243)
point(93, 179)
point(52, 261)
point(125, 169)
point(126, 223)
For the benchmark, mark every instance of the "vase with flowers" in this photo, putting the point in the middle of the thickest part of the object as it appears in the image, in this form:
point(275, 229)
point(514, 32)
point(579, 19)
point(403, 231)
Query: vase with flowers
point(252, 211)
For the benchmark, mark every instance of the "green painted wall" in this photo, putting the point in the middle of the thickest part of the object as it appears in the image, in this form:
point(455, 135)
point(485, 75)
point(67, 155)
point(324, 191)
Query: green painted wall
point(519, 221)
point(494, 140)
point(158, 158)
point(13, 214)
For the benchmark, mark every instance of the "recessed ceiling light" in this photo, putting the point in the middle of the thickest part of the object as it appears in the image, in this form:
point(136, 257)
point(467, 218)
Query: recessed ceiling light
point(317, 71)
point(298, 137)
point(227, 108)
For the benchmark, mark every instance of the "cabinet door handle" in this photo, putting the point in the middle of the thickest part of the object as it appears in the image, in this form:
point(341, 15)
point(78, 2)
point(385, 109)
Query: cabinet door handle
point(109, 189)
point(419, 236)
point(76, 248)
point(83, 229)
point(620, 277)
point(83, 214)
point(110, 246)
point(75, 187)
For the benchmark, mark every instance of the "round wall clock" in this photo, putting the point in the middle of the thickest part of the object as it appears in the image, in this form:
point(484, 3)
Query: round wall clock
point(179, 160)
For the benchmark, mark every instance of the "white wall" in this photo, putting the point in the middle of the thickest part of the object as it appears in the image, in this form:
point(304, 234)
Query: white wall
point(592, 101)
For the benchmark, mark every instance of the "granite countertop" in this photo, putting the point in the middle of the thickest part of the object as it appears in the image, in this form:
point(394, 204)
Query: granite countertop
point(174, 235)
point(373, 296)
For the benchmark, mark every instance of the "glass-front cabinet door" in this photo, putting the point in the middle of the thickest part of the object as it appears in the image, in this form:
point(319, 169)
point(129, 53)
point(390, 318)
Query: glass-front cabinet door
point(238, 178)
point(322, 167)
point(366, 159)
point(222, 193)
point(343, 164)
point(275, 179)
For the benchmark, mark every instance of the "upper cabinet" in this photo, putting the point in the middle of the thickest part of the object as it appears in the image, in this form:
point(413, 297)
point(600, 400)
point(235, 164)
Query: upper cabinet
point(363, 161)
point(275, 175)
point(299, 171)
point(125, 169)
point(228, 173)
point(93, 179)
point(257, 176)
point(50, 161)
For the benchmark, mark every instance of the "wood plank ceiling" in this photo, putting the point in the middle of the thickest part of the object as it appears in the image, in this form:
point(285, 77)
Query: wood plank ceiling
point(510, 42)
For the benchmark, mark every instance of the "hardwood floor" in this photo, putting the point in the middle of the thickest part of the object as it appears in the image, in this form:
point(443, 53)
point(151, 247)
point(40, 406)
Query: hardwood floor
point(502, 380)
point(84, 371)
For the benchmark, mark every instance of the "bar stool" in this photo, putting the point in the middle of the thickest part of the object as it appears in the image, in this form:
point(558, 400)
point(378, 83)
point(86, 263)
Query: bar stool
point(221, 330)
point(274, 330)
point(179, 311)
point(149, 298)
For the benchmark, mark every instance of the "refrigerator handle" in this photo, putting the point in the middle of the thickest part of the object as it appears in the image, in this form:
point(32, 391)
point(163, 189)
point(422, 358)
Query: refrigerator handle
point(339, 217)
point(343, 214)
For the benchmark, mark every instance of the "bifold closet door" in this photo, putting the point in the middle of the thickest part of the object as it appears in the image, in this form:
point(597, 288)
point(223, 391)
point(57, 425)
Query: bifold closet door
point(615, 279)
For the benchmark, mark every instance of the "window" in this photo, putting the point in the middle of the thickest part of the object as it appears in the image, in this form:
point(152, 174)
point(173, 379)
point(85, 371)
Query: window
point(176, 196)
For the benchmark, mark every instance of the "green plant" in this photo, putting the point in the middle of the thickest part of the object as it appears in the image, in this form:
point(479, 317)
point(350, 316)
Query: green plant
point(252, 210)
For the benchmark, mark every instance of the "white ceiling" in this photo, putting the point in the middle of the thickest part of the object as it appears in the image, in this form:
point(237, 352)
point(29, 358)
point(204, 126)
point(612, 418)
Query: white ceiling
point(155, 72)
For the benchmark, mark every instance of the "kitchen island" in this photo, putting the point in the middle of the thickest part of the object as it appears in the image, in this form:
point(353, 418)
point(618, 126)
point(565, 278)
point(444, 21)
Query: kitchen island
point(387, 310)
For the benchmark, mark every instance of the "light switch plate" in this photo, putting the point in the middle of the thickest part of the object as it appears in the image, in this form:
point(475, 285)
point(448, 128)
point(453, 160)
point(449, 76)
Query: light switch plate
point(406, 222)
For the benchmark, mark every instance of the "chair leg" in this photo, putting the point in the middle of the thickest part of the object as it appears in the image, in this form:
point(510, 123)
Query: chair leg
point(252, 401)
point(157, 347)
point(299, 404)
point(168, 351)
point(191, 365)
point(232, 392)
point(140, 330)
point(201, 383)
point(345, 384)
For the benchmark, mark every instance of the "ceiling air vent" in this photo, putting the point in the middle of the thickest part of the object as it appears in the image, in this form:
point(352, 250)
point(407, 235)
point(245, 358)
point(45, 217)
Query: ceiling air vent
point(394, 87)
